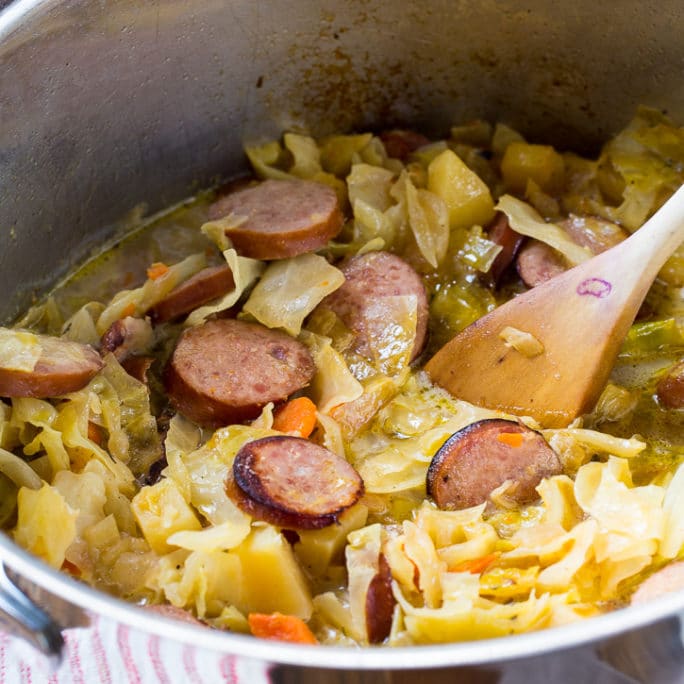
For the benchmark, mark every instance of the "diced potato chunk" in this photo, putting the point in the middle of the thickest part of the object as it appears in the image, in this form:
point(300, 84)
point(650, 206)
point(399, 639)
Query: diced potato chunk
point(316, 549)
point(160, 511)
point(46, 525)
point(467, 197)
point(271, 578)
point(541, 163)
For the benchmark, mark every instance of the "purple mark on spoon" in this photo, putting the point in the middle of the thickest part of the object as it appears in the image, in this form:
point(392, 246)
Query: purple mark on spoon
point(596, 287)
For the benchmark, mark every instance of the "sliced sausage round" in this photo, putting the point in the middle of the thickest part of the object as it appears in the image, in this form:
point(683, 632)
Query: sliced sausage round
point(666, 580)
point(225, 371)
point(594, 233)
point(370, 278)
point(670, 388)
point(476, 460)
point(400, 143)
point(138, 367)
point(205, 286)
point(380, 603)
point(292, 482)
point(126, 337)
point(538, 262)
point(284, 218)
point(501, 233)
point(62, 367)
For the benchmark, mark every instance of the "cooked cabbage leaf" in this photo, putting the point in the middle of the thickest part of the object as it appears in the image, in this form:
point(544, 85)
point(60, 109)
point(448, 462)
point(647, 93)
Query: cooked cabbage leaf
point(526, 221)
point(245, 272)
point(333, 383)
point(137, 302)
point(290, 289)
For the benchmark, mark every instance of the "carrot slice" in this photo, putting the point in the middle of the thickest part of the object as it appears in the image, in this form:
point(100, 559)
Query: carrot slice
point(475, 565)
point(280, 627)
point(297, 417)
point(513, 439)
point(157, 270)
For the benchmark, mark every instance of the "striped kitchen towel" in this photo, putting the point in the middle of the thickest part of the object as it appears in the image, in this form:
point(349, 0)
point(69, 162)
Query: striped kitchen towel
point(111, 653)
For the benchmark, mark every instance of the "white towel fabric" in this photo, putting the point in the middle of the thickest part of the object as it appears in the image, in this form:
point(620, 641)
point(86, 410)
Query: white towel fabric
point(111, 653)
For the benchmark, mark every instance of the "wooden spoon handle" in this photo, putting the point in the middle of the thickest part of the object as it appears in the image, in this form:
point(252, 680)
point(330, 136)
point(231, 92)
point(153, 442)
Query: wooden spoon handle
point(658, 238)
point(580, 318)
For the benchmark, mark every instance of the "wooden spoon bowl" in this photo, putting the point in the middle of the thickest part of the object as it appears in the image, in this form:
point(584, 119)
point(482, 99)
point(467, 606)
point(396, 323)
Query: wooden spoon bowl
point(580, 317)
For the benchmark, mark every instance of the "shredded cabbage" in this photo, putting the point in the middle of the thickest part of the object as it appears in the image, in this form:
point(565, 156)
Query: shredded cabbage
point(526, 221)
point(333, 383)
point(77, 482)
point(137, 302)
point(290, 289)
point(525, 343)
point(19, 350)
point(18, 471)
point(245, 272)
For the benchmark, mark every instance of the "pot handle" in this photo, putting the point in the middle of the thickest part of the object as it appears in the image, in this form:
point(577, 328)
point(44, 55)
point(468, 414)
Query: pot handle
point(23, 618)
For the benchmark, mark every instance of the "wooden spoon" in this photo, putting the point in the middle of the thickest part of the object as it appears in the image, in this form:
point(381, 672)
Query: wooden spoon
point(581, 318)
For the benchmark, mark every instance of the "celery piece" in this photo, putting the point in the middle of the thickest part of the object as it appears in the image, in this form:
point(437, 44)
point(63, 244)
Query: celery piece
point(652, 336)
point(456, 306)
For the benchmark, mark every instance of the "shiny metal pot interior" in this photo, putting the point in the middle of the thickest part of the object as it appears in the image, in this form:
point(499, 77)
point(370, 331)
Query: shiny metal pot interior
point(105, 105)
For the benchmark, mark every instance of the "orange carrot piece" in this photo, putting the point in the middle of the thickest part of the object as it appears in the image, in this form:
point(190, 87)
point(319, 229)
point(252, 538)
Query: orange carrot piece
point(280, 627)
point(475, 565)
point(297, 417)
point(157, 270)
point(513, 439)
point(128, 310)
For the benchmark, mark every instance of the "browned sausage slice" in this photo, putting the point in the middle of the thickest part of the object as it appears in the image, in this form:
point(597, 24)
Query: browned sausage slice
point(225, 371)
point(476, 460)
point(380, 604)
point(284, 218)
point(501, 233)
point(668, 579)
point(205, 286)
point(292, 482)
point(126, 337)
point(62, 367)
point(369, 278)
point(138, 367)
point(670, 388)
point(400, 143)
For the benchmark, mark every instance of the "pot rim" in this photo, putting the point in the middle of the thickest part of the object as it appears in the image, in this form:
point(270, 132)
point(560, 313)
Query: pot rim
point(480, 652)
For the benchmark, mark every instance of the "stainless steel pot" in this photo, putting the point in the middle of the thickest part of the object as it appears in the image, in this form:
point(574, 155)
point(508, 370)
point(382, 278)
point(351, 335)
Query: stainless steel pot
point(105, 105)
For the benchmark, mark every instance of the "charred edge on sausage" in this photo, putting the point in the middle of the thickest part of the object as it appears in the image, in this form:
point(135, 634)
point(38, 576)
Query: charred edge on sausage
point(292, 482)
point(473, 462)
point(127, 337)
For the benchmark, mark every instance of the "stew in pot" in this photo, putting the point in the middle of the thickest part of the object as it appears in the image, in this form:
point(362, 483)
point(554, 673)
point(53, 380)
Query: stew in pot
point(224, 416)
